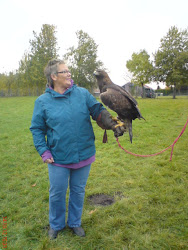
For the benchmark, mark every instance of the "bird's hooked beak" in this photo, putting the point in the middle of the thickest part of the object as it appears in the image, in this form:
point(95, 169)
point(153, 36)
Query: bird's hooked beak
point(95, 73)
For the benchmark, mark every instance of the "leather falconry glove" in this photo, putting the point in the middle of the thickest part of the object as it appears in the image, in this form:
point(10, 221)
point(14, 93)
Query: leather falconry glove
point(105, 122)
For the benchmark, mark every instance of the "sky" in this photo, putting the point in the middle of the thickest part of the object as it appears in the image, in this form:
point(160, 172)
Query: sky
point(119, 28)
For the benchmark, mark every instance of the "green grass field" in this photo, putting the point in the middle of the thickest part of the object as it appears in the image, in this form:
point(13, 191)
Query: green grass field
point(151, 210)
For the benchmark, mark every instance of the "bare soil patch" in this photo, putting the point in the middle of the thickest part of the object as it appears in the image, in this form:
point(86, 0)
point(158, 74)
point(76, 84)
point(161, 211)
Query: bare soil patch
point(103, 199)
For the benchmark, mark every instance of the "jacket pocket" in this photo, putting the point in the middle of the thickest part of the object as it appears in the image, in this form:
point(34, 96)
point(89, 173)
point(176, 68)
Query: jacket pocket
point(50, 138)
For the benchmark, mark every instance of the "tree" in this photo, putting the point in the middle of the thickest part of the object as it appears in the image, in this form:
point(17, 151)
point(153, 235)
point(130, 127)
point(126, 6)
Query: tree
point(3, 88)
point(83, 60)
point(180, 69)
point(141, 68)
point(171, 58)
point(43, 48)
point(24, 82)
point(29, 78)
point(8, 83)
point(10, 80)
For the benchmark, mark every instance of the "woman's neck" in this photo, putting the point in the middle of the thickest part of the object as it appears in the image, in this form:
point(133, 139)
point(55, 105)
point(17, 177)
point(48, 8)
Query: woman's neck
point(59, 89)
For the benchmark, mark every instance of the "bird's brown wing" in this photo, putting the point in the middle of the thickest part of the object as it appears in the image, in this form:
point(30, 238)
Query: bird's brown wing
point(121, 102)
point(123, 92)
point(117, 102)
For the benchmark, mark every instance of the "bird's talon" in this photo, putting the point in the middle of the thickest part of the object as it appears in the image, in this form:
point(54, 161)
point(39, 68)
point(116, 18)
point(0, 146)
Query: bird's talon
point(120, 124)
point(115, 119)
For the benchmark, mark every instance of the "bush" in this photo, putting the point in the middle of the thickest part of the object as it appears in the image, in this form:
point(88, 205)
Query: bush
point(165, 92)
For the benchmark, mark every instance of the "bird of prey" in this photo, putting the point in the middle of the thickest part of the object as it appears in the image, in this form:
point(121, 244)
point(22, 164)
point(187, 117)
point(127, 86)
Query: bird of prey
point(118, 99)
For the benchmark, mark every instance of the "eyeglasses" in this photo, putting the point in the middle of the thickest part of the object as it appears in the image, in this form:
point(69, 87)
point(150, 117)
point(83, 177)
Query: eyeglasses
point(64, 72)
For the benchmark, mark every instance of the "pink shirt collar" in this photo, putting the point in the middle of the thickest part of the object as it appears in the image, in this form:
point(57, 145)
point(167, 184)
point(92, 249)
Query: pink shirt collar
point(72, 82)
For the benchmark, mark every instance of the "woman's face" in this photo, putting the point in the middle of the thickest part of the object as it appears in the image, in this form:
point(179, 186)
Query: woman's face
point(63, 77)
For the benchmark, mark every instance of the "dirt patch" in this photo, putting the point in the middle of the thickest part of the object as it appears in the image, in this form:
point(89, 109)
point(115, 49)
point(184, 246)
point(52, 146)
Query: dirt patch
point(101, 199)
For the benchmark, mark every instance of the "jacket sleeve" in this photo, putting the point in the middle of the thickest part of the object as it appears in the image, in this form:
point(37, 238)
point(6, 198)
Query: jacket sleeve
point(94, 106)
point(38, 128)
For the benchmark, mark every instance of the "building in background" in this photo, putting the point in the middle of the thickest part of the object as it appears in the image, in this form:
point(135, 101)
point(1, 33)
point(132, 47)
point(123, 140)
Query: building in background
point(136, 90)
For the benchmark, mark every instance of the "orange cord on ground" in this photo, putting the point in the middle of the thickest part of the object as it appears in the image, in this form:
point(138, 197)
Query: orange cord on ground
point(171, 146)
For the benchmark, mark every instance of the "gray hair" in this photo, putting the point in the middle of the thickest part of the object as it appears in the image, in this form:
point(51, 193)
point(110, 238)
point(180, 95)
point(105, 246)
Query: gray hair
point(52, 68)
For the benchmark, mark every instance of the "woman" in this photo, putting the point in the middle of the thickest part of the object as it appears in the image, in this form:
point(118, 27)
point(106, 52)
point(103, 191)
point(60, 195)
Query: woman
point(64, 138)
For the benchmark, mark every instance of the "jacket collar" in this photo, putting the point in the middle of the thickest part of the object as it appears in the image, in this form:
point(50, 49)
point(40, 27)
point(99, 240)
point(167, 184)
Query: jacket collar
point(58, 95)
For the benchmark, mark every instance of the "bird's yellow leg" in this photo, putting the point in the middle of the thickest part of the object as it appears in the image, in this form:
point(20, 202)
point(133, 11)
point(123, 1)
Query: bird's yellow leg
point(119, 123)
point(115, 119)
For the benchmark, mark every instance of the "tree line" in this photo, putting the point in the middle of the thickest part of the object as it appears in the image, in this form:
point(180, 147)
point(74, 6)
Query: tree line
point(169, 63)
point(29, 79)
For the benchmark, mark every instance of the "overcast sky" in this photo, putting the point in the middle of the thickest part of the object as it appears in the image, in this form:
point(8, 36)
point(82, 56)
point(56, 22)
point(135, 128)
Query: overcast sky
point(119, 27)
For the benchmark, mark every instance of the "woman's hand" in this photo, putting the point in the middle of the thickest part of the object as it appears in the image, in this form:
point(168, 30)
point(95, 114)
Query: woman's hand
point(51, 160)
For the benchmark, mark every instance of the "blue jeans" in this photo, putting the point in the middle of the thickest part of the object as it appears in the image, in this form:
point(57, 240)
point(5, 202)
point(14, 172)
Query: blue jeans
point(59, 178)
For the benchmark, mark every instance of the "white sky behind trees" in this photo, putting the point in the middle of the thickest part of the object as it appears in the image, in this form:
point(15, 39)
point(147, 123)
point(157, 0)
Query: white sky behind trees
point(119, 27)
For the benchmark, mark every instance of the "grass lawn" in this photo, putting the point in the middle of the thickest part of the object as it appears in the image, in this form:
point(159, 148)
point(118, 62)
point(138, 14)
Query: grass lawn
point(151, 201)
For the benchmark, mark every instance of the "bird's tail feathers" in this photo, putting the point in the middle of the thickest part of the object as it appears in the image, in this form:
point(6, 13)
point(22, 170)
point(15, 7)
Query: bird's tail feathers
point(140, 115)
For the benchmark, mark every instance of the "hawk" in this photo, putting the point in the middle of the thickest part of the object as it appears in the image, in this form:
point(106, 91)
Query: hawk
point(119, 100)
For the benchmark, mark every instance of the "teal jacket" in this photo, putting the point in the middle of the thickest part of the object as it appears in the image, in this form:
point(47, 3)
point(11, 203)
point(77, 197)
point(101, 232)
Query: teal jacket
point(61, 124)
